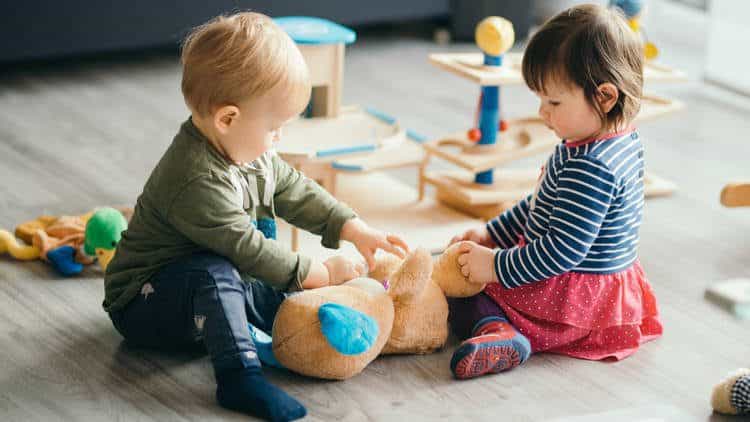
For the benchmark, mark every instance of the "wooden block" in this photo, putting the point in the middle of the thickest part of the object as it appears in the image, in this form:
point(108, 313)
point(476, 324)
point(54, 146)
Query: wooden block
point(736, 195)
point(524, 137)
point(470, 66)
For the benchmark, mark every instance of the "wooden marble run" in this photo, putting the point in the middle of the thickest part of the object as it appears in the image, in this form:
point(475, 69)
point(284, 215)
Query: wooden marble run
point(332, 139)
point(485, 191)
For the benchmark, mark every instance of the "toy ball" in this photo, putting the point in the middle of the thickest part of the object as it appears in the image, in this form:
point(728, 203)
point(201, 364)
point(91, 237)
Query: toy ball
point(474, 134)
point(494, 35)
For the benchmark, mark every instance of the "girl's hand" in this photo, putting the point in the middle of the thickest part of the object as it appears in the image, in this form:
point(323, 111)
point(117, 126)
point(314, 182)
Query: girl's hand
point(477, 263)
point(369, 240)
point(478, 235)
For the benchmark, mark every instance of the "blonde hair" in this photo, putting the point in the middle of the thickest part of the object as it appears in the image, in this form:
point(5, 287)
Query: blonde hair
point(231, 59)
point(588, 45)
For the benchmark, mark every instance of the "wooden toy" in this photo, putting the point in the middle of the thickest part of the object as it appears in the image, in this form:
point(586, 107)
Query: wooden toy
point(736, 195)
point(493, 142)
point(333, 139)
point(633, 9)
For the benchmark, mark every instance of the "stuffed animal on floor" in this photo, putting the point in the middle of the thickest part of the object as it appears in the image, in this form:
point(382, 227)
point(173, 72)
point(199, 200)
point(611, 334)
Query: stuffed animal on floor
point(68, 242)
point(732, 395)
point(335, 332)
point(419, 298)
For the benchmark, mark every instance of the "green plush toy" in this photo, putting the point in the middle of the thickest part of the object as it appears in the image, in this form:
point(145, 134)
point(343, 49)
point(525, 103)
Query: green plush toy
point(103, 232)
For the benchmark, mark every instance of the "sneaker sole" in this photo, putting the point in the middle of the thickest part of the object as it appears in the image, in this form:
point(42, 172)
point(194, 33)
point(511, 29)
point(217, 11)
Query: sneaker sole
point(487, 359)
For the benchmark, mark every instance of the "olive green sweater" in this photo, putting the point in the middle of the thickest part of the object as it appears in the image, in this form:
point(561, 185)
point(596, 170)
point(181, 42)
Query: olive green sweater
point(196, 200)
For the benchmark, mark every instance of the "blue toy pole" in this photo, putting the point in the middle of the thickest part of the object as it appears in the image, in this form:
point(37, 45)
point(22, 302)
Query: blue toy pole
point(489, 117)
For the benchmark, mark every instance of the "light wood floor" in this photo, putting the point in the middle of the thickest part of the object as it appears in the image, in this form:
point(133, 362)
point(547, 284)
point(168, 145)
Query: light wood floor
point(80, 135)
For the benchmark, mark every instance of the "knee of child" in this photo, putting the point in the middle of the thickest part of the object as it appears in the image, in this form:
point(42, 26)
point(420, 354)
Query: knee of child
point(219, 269)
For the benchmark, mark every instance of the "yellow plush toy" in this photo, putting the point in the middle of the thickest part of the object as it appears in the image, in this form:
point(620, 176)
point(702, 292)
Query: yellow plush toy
point(335, 332)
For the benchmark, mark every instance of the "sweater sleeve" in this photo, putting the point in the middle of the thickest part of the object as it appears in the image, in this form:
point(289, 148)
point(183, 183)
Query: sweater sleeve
point(506, 228)
point(206, 212)
point(303, 203)
point(585, 190)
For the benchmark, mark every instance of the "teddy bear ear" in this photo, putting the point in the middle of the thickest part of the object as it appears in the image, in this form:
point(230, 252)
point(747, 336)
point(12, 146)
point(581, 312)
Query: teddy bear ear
point(410, 279)
point(447, 275)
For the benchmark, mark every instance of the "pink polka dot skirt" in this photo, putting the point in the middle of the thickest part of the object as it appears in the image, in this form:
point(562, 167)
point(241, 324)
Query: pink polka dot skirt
point(587, 316)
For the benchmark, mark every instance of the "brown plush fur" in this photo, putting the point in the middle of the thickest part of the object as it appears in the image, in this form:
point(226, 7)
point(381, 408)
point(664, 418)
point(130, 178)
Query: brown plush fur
point(412, 315)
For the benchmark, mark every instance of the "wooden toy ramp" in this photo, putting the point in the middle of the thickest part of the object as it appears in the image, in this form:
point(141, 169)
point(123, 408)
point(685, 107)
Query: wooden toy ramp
point(355, 130)
point(458, 190)
point(470, 66)
point(426, 224)
point(524, 137)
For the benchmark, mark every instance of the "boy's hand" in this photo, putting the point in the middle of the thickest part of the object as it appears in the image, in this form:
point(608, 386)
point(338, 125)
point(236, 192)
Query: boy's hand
point(477, 263)
point(478, 235)
point(342, 269)
point(369, 240)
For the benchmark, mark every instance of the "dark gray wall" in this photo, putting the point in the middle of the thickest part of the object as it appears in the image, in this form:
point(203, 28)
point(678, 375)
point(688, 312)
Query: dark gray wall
point(48, 28)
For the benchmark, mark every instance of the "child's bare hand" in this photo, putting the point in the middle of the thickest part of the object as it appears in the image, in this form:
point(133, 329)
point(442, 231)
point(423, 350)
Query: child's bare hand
point(342, 269)
point(477, 263)
point(478, 235)
point(368, 240)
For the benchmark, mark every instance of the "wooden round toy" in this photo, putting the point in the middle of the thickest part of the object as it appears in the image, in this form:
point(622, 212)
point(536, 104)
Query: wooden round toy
point(494, 35)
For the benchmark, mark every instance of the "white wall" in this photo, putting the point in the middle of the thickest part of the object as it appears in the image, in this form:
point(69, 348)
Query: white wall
point(728, 56)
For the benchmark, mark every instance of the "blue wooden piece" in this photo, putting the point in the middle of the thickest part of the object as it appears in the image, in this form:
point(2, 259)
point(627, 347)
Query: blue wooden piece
point(311, 30)
point(489, 117)
point(345, 150)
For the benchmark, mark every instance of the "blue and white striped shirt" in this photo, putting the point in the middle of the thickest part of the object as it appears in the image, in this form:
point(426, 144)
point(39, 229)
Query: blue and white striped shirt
point(584, 218)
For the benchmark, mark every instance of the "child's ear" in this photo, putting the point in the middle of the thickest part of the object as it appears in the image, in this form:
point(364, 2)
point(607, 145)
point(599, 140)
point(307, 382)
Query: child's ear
point(607, 95)
point(224, 117)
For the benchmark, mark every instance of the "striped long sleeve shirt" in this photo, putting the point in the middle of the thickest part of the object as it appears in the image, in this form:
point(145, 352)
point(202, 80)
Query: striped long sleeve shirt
point(584, 216)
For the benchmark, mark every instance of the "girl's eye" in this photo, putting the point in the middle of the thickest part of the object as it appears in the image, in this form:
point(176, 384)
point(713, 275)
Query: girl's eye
point(554, 103)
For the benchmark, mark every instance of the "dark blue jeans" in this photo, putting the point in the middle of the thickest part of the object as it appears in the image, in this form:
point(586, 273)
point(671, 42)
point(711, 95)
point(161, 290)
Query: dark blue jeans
point(200, 298)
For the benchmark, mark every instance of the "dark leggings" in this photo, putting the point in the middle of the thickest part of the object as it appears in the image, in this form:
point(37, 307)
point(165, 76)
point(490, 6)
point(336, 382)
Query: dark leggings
point(464, 313)
point(200, 298)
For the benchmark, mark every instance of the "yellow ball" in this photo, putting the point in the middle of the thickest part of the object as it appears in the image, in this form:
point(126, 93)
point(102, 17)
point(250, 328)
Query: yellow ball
point(494, 35)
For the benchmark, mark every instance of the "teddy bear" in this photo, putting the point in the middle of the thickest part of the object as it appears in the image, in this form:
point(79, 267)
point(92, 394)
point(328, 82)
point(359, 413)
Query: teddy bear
point(335, 332)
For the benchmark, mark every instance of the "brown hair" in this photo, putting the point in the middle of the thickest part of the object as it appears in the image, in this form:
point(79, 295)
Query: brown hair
point(233, 58)
point(588, 45)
